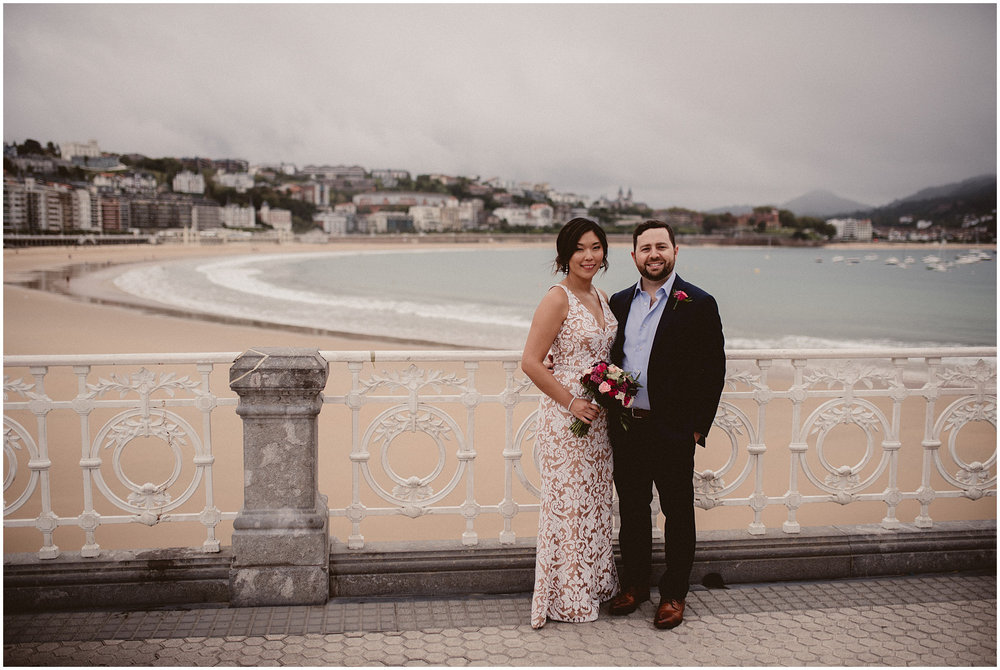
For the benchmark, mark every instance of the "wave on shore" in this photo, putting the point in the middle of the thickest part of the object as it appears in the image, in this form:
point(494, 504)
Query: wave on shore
point(484, 298)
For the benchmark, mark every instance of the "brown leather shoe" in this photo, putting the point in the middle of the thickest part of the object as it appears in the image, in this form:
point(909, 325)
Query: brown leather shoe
point(627, 601)
point(669, 614)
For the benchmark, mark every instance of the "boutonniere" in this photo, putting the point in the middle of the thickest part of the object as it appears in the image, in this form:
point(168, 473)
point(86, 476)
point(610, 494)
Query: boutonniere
point(681, 296)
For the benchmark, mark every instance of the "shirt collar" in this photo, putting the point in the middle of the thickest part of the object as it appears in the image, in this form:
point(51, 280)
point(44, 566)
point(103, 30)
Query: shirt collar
point(663, 290)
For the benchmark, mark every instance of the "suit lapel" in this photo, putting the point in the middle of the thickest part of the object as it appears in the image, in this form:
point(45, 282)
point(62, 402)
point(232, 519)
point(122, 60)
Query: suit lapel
point(669, 314)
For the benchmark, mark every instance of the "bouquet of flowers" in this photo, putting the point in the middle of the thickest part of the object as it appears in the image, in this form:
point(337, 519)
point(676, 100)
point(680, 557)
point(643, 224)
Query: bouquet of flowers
point(612, 388)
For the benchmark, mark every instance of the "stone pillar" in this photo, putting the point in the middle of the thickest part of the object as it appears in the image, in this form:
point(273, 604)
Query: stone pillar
point(281, 547)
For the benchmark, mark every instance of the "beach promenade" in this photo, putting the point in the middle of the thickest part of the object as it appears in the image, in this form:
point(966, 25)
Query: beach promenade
point(925, 620)
point(922, 620)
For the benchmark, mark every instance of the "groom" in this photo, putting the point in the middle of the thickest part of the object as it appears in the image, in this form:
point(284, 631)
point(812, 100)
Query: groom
point(669, 332)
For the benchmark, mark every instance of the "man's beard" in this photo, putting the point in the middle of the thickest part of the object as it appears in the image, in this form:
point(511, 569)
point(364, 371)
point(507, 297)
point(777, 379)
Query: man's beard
point(659, 276)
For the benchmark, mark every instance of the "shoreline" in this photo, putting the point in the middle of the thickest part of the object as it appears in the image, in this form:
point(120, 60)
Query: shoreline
point(85, 275)
point(95, 317)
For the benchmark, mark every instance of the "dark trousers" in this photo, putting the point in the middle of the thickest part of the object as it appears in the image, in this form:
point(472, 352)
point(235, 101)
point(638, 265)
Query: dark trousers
point(644, 456)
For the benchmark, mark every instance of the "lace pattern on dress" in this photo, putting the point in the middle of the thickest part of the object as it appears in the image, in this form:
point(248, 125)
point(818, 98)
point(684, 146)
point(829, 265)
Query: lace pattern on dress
point(574, 566)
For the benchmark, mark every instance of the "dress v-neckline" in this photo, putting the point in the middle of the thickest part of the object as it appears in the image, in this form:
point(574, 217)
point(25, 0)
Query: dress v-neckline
point(604, 316)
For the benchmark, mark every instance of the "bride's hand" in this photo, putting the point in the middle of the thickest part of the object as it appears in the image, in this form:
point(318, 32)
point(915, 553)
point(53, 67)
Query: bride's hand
point(583, 410)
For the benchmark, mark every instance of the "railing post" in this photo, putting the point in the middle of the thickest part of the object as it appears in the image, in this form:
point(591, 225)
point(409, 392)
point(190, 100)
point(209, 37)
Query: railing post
point(281, 535)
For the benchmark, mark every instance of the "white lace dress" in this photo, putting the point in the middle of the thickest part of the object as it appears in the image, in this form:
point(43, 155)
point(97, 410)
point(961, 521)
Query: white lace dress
point(574, 566)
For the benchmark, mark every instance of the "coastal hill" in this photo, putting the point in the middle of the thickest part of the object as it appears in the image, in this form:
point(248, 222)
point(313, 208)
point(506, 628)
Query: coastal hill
point(823, 204)
point(819, 203)
point(949, 204)
point(960, 204)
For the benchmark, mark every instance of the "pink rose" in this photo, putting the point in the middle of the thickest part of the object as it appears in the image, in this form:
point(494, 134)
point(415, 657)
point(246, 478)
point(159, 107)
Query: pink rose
point(604, 387)
point(681, 296)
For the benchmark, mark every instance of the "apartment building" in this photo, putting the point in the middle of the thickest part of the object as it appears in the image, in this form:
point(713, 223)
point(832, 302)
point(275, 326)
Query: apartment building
point(389, 177)
point(235, 165)
point(335, 171)
point(237, 216)
point(162, 212)
point(404, 198)
point(115, 213)
point(281, 219)
point(206, 215)
point(189, 182)
point(538, 215)
point(541, 215)
point(240, 181)
point(426, 218)
point(471, 214)
point(852, 229)
point(129, 182)
point(69, 150)
point(31, 206)
point(317, 193)
point(334, 222)
point(385, 222)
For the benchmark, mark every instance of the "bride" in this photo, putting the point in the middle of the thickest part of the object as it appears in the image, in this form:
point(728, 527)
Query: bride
point(574, 565)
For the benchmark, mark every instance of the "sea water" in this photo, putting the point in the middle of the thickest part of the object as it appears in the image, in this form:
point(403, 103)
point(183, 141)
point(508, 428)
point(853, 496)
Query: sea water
point(484, 297)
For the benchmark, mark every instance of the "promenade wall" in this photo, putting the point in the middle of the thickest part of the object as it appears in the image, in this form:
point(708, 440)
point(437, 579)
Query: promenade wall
point(313, 474)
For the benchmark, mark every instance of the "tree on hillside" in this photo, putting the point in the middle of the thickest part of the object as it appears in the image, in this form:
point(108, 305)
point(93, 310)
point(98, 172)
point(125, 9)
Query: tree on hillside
point(714, 222)
point(29, 148)
point(425, 184)
point(786, 218)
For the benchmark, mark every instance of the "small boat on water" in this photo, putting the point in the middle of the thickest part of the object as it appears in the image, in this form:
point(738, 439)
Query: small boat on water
point(837, 259)
point(892, 260)
point(871, 257)
point(973, 256)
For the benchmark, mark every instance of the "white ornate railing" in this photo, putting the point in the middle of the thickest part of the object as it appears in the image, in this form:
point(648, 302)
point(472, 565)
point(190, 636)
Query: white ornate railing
point(150, 406)
point(128, 439)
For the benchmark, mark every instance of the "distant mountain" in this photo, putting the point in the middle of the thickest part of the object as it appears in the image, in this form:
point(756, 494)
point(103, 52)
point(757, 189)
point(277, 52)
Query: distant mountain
point(969, 188)
point(945, 204)
point(949, 205)
point(818, 203)
point(823, 204)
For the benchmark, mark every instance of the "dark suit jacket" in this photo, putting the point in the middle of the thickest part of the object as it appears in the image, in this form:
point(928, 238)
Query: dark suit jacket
point(687, 366)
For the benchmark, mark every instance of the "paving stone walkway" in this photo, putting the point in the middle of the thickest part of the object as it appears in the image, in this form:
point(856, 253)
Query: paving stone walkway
point(926, 620)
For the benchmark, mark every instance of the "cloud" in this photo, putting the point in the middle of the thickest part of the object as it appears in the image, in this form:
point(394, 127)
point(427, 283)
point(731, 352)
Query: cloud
point(690, 105)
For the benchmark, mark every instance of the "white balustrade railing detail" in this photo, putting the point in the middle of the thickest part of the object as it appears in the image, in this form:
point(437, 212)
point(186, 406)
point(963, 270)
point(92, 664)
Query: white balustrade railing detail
point(147, 403)
point(413, 393)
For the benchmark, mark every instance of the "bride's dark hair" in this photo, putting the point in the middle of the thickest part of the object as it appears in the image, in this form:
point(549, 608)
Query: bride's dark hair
point(570, 235)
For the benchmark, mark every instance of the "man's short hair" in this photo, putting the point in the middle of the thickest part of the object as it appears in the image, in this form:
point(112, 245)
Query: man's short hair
point(648, 224)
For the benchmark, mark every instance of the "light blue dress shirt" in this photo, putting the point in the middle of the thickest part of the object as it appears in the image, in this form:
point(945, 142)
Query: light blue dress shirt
point(639, 332)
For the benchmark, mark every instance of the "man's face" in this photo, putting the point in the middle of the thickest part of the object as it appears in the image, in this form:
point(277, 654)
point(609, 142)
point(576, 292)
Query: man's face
point(654, 255)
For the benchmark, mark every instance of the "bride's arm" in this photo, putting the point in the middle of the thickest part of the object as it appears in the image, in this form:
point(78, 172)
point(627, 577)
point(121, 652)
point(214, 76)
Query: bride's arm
point(545, 326)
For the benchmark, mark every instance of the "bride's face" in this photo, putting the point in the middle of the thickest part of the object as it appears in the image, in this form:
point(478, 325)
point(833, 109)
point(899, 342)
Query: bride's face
point(587, 258)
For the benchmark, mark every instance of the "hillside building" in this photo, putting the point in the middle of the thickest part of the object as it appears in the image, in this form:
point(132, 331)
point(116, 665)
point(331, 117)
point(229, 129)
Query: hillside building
point(852, 229)
point(189, 182)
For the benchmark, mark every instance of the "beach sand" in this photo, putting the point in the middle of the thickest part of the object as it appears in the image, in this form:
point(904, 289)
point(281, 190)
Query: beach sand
point(51, 322)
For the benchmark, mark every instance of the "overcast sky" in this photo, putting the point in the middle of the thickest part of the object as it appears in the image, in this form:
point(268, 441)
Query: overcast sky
point(696, 106)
